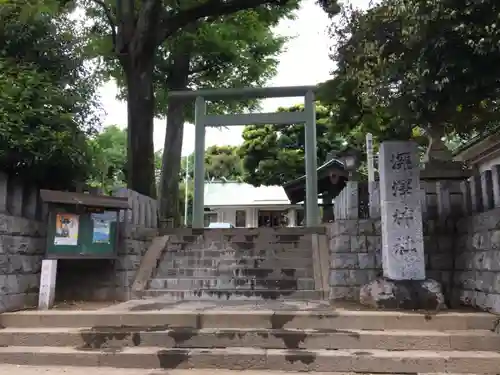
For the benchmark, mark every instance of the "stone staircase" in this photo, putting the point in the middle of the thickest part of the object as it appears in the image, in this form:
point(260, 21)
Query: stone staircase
point(236, 264)
point(258, 339)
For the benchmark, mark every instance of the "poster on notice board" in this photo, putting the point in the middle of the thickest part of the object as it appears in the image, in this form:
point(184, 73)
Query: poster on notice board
point(66, 230)
point(102, 227)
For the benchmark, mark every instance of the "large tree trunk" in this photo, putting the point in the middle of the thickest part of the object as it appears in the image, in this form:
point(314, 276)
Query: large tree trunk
point(172, 150)
point(140, 106)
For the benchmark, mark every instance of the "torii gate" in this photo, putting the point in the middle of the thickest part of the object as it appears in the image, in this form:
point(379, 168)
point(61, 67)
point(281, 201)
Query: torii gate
point(201, 120)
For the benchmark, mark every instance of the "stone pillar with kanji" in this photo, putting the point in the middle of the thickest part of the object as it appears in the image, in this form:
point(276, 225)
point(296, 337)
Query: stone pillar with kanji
point(404, 283)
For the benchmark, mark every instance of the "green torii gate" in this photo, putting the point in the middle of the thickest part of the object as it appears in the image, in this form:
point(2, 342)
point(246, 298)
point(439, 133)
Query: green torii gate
point(201, 120)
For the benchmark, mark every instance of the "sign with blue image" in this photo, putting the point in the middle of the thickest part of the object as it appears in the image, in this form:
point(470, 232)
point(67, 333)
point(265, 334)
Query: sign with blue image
point(102, 226)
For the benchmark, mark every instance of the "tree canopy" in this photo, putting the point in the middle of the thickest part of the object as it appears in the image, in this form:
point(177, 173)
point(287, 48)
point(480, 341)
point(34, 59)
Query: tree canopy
point(274, 154)
point(47, 99)
point(407, 64)
point(108, 149)
point(135, 32)
point(223, 163)
point(109, 160)
point(234, 51)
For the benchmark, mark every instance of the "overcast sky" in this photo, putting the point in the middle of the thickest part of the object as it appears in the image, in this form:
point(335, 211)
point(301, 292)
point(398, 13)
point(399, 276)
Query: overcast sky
point(305, 62)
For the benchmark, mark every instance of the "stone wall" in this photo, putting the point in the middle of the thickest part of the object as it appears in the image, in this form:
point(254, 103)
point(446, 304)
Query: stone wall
point(477, 262)
point(22, 245)
point(356, 254)
point(134, 243)
point(439, 236)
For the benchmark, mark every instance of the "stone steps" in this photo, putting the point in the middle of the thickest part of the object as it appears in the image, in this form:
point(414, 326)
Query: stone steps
point(235, 282)
point(232, 294)
point(122, 337)
point(255, 318)
point(250, 262)
point(200, 272)
point(96, 370)
point(235, 265)
point(282, 252)
point(227, 336)
point(372, 361)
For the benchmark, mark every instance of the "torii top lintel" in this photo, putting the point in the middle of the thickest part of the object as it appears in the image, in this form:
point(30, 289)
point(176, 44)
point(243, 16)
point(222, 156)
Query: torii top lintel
point(244, 93)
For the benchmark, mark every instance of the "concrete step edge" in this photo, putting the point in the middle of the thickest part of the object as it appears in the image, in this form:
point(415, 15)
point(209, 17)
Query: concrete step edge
point(281, 249)
point(322, 313)
point(233, 294)
point(371, 361)
point(263, 258)
point(234, 290)
point(305, 331)
point(154, 315)
point(118, 337)
point(249, 278)
point(243, 267)
point(53, 370)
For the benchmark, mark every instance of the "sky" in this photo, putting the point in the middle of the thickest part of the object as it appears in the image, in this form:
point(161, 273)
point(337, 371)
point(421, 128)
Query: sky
point(304, 61)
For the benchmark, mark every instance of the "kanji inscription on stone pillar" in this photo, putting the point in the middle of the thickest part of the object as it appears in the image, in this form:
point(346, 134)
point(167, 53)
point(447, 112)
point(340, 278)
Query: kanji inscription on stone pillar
point(401, 212)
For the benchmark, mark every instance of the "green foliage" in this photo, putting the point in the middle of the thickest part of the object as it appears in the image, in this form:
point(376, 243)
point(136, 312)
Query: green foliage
point(223, 163)
point(137, 34)
point(331, 7)
point(274, 154)
point(47, 99)
point(109, 158)
point(413, 64)
point(237, 50)
point(240, 50)
point(109, 155)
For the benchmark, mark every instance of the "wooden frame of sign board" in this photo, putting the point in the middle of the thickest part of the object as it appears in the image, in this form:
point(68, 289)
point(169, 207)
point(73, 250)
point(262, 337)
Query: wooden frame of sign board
point(82, 208)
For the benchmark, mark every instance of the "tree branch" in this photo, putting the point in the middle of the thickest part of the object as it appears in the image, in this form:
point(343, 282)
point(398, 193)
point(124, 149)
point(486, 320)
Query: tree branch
point(176, 20)
point(109, 17)
point(199, 69)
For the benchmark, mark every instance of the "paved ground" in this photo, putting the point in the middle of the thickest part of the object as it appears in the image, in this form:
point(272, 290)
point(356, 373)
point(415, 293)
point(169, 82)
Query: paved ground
point(53, 370)
point(163, 303)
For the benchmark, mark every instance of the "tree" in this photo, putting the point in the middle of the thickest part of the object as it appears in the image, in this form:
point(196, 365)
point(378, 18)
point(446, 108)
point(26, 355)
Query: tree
point(109, 151)
point(209, 56)
point(47, 99)
point(274, 154)
point(136, 31)
point(223, 163)
point(109, 158)
point(425, 64)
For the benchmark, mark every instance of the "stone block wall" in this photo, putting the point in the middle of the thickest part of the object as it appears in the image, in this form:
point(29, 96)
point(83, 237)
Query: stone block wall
point(439, 250)
point(22, 245)
point(356, 254)
point(477, 263)
point(134, 243)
